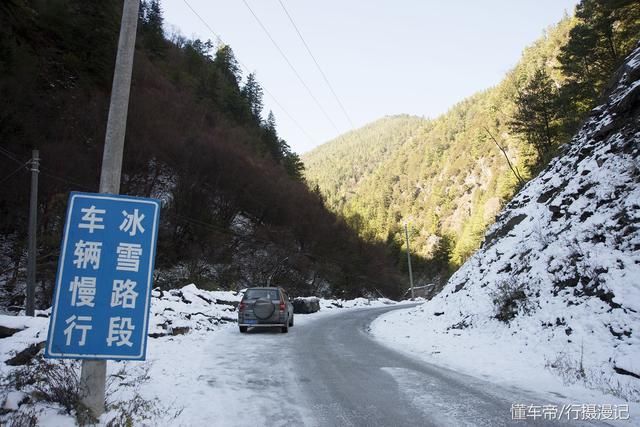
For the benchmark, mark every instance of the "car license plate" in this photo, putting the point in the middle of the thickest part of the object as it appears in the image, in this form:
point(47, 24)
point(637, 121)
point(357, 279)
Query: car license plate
point(250, 321)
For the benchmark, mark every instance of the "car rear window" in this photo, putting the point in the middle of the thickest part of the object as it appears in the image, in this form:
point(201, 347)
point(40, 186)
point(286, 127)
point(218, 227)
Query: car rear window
point(271, 294)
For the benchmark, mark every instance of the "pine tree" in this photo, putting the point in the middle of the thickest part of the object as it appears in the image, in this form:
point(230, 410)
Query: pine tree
point(605, 32)
point(536, 113)
point(271, 139)
point(291, 162)
point(223, 81)
point(226, 63)
point(152, 29)
point(252, 92)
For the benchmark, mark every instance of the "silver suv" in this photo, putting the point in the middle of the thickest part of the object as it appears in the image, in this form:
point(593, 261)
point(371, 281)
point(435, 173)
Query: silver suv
point(265, 307)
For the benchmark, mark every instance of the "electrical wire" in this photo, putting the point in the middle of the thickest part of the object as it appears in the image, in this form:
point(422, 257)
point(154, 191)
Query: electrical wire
point(316, 62)
point(43, 171)
point(10, 155)
point(22, 167)
point(246, 69)
point(291, 65)
point(66, 181)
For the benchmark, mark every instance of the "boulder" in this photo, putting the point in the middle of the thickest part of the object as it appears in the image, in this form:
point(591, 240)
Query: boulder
point(179, 330)
point(6, 331)
point(306, 305)
point(23, 357)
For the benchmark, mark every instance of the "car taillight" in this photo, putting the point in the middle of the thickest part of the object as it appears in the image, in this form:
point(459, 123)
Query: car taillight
point(241, 306)
point(281, 306)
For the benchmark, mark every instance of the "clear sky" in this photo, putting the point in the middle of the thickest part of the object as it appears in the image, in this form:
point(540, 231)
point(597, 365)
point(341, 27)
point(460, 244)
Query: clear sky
point(382, 57)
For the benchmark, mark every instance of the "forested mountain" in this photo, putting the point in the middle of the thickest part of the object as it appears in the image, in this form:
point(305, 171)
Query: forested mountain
point(235, 209)
point(342, 164)
point(450, 176)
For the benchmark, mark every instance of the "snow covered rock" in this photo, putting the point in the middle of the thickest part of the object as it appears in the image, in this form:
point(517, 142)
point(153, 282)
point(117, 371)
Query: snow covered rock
point(179, 311)
point(557, 280)
point(329, 304)
point(27, 339)
point(14, 399)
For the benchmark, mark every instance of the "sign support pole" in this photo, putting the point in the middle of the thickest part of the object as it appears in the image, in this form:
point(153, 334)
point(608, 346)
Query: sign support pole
point(93, 375)
point(32, 248)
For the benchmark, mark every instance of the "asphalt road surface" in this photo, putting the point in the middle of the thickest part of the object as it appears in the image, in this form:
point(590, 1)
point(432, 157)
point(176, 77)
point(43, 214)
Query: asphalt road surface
point(345, 378)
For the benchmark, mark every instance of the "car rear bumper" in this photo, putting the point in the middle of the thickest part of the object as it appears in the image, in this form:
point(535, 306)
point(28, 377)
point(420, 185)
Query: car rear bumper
point(261, 325)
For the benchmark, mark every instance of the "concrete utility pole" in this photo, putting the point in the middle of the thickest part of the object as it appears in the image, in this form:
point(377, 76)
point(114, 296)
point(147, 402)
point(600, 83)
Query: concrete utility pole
point(94, 372)
point(406, 234)
point(32, 248)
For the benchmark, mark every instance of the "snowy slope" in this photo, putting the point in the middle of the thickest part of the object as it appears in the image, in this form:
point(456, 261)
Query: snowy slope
point(552, 299)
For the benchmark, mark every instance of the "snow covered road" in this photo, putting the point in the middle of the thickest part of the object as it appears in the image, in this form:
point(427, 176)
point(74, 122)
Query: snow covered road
point(327, 371)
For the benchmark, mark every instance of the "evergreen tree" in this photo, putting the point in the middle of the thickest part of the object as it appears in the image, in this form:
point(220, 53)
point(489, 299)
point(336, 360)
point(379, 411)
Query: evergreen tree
point(222, 83)
point(225, 62)
point(271, 139)
point(605, 32)
point(252, 93)
point(291, 162)
point(536, 113)
point(152, 29)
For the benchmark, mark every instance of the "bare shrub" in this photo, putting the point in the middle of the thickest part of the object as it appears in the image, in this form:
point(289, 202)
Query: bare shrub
point(135, 409)
point(569, 369)
point(573, 371)
point(22, 418)
point(49, 381)
point(509, 298)
point(541, 237)
point(59, 382)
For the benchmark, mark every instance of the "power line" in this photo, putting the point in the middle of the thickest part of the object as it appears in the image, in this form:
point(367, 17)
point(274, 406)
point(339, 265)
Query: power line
point(22, 167)
point(291, 65)
point(316, 62)
point(66, 181)
point(246, 69)
point(13, 157)
point(204, 22)
point(10, 155)
point(273, 98)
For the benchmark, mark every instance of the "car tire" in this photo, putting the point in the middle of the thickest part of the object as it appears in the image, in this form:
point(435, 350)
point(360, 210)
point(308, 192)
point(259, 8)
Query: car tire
point(291, 321)
point(284, 329)
point(243, 329)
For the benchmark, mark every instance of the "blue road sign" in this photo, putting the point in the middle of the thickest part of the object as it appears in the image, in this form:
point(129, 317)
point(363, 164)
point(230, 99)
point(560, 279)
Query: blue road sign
point(105, 273)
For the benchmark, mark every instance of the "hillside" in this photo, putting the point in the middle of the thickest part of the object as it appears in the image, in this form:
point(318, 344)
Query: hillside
point(236, 211)
point(445, 177)
point(449, 177)
point(554, 292)
point(340, 166)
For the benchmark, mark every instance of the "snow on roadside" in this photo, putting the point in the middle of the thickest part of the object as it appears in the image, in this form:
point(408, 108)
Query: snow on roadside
point(199, 369)
point(331, 304)
point(551, 302)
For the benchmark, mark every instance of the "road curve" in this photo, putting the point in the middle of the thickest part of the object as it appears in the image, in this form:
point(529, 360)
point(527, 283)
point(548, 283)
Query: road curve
point(348, 379)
